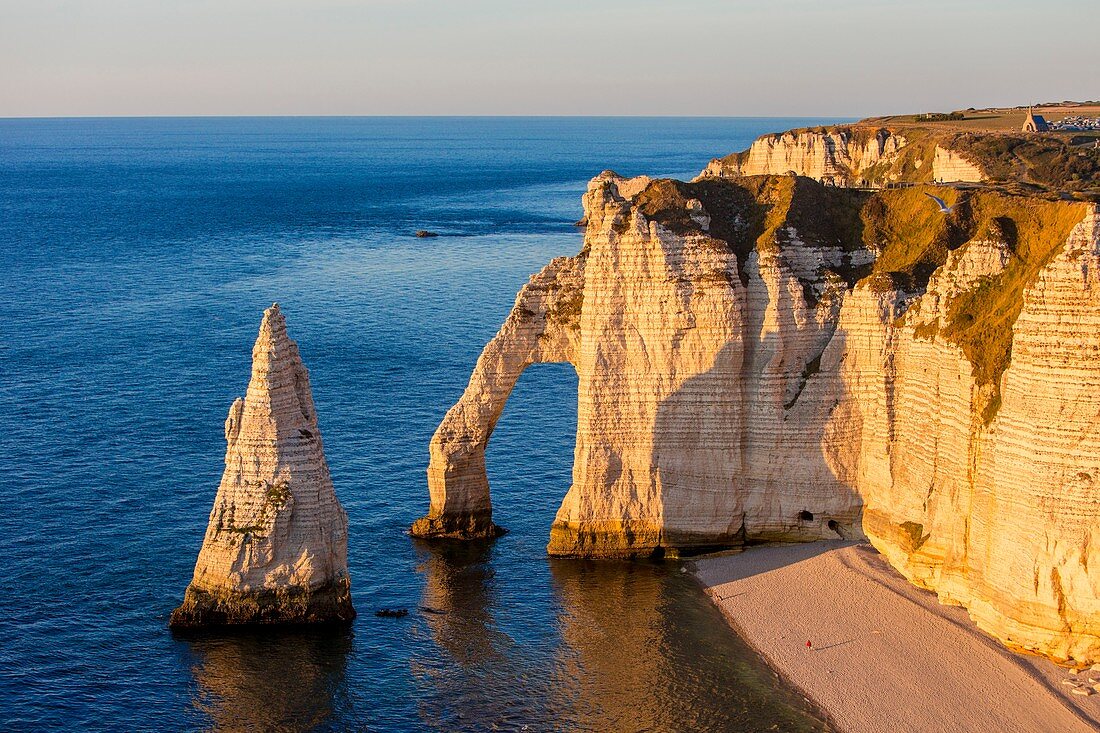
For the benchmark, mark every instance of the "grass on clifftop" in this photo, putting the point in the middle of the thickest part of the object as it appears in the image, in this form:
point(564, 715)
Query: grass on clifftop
point(980, 320)
point(912, 238)
point(918, 239)
point(752, 213)
point(1048, 161)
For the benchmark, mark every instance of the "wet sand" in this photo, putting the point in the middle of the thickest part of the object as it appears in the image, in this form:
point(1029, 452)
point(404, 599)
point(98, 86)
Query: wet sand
point(885, 655)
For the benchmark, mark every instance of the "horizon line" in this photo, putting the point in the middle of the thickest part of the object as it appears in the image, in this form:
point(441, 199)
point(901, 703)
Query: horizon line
point(427, 116)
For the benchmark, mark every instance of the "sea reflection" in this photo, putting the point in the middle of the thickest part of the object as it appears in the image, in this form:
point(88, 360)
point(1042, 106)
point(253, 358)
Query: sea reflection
point(647, 651)
point(271, 680)
point(613, 652)
point(631, 647)
point(479, 677)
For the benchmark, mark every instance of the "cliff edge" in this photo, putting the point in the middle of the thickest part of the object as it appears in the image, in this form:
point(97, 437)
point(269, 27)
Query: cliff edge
point(883, 153)
point(770, 358)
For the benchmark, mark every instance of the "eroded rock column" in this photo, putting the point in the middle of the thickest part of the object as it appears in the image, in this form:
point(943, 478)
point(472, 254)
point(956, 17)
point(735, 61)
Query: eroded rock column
point(275, 549)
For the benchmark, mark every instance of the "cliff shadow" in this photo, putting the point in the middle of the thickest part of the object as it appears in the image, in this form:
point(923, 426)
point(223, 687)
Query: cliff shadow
point(270, 678)
point(740, 461)
point(715, 571)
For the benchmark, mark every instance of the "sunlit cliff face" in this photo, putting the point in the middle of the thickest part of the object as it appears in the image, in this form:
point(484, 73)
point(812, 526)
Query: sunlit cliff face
point(772, 359)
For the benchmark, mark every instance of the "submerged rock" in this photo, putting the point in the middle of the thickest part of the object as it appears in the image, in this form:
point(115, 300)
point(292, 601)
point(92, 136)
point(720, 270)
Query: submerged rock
point(424, 234)
point(276, 546)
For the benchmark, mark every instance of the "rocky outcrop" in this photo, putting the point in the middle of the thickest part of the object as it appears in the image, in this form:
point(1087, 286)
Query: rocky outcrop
point(837, 156)
point(767, 358)
point(275, 549)
point(679, 381)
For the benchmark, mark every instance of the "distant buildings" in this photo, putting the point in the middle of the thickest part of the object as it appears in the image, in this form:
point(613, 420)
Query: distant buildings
point(1076, 123)
point(1034, 123)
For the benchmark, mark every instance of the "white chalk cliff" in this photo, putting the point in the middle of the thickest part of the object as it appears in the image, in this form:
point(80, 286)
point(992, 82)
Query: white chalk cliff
point(849, 156)
point(275, 549)
point(767, 358)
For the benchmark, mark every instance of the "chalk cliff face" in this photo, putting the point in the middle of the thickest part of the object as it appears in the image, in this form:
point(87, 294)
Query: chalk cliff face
point(542, 327)
point(949, 165)
point(276, 546)
point(997, 514)
point(849, 156)
point(767, 358)
point(836, 155)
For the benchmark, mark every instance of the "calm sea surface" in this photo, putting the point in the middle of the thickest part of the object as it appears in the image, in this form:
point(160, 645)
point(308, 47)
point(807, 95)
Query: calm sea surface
point(136, 256)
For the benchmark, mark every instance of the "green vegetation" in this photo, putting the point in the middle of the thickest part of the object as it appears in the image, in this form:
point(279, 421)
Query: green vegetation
point(735, 209)
point(1034, 161)
point(914, 532)
point(566, 309)
point(277, 494)
point(1063, 164)
point(918, 239)
point(980, 320)
point(938, 116)
point(753, 213)
point(911, 236)
point(250, 529)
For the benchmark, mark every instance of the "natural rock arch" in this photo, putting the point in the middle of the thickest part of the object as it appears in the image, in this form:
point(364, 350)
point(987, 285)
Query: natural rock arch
point(543, 327)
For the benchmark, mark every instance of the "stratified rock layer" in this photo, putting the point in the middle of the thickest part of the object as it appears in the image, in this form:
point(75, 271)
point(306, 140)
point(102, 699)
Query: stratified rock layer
point(856, 155)
point(275, 549)
point(540, 328)
point(767, 358)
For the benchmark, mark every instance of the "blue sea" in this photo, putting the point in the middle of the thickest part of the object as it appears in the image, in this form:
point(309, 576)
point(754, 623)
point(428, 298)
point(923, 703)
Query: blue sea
point(136, 257)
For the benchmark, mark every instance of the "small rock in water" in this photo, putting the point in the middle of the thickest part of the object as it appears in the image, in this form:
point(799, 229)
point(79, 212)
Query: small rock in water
point(1096, 687)
point(422, 233)
point(392, 612)
point(1081, 691)
point(1075, 670)
point(1095, 668)
point(1071, 683)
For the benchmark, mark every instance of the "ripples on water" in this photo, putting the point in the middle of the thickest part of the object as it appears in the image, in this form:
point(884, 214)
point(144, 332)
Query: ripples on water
point(135, 259)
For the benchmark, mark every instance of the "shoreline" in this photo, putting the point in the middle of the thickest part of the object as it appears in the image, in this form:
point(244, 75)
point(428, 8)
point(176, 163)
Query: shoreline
point(885, 654)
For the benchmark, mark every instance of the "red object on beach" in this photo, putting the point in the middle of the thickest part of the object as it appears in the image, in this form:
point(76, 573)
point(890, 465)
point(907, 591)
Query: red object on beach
point(809, 644)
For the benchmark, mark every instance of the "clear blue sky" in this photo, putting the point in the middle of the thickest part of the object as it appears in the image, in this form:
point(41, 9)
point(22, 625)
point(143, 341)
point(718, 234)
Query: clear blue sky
point(673, 57)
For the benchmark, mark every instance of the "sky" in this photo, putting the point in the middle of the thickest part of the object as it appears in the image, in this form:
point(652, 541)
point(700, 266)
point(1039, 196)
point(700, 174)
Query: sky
point(555, 57)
